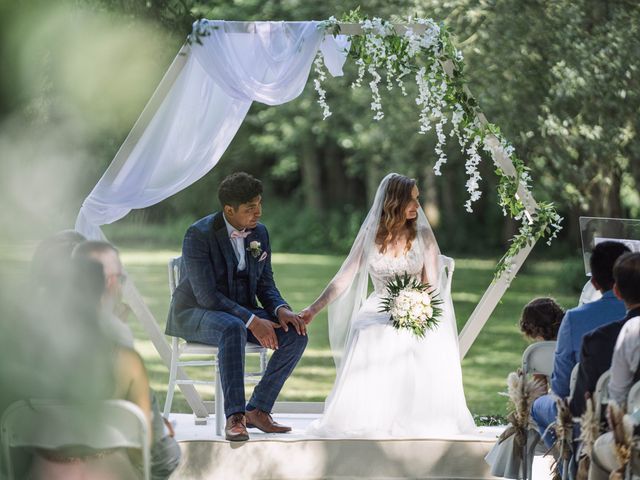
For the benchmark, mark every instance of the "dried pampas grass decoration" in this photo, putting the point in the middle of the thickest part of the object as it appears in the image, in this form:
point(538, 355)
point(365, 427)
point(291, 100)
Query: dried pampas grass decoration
point(622, 427)
point(589, 432)
point(564, 432)
point(522, 392)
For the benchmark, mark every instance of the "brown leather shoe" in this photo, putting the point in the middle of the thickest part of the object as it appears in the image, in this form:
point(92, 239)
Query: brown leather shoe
point(263, 421)
point(236, 428)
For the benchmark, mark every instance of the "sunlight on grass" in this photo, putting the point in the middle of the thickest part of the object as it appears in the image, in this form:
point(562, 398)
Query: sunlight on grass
point(465, 297)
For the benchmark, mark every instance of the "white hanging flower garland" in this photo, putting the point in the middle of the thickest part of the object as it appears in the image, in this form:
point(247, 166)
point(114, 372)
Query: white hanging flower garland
point(441, 95)
point(321, 76)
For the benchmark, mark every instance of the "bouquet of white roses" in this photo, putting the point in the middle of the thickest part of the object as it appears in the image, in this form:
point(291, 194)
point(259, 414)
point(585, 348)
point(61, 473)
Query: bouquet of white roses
point(411, 305)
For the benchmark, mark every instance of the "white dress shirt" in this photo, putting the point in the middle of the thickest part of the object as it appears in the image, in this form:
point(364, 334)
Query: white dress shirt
point(626, 356)
point(238, 248)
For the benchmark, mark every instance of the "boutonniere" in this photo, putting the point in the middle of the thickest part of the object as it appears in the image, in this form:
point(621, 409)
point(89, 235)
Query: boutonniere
point(255, 249)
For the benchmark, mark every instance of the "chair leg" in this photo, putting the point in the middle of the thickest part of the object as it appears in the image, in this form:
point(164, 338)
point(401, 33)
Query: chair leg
point(263, 362)
point(219, 405)
point(8, 460)
point(173, 369)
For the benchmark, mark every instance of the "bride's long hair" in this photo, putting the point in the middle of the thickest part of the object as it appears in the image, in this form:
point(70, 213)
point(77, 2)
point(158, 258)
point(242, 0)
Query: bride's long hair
point(393, 220)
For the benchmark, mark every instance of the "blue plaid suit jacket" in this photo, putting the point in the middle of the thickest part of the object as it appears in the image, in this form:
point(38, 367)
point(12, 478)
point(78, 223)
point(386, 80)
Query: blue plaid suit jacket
point(207, 280)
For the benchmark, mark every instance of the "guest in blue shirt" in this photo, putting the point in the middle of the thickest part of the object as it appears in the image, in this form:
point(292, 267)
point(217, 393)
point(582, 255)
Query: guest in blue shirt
point(576, 322)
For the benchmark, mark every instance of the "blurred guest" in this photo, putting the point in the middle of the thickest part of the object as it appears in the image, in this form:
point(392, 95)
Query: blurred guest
point(78, 355)
point(540, 322)
point(69, 357)
point(51, 257)
point(109, 257)
point(541, 319)
point(165, 451)
point(575, 324)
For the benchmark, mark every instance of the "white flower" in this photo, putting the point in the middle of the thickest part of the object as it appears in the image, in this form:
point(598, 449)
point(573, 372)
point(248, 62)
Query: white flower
point(318, 64)
point(411, 307)
point(361, 70)
point(471, 168)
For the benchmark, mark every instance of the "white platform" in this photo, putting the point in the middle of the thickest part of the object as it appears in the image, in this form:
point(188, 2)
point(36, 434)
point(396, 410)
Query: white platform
point(296, 455)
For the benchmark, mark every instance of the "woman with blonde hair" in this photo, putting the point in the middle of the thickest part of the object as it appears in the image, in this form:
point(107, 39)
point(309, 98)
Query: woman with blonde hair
point(389, 382)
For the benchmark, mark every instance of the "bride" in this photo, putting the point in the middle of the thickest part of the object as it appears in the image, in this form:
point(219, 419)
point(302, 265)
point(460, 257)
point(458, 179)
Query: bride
point(390, 383)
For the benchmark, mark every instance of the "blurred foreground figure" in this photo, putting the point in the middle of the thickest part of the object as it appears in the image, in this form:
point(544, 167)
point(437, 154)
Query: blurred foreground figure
point(53, 347)
point(165, 451)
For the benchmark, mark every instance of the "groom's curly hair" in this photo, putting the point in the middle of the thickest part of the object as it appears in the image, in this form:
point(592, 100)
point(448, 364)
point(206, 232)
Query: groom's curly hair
point(392, 220)
point(238, 188)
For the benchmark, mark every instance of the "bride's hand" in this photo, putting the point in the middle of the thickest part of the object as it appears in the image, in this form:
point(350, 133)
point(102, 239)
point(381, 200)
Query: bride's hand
point(307, 315)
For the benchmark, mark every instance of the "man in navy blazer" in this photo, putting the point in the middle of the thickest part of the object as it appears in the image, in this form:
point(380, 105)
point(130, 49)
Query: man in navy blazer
point(226, 267)
point(576, 323)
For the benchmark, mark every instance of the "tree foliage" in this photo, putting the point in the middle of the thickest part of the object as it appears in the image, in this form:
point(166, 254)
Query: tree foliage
point(560, 78)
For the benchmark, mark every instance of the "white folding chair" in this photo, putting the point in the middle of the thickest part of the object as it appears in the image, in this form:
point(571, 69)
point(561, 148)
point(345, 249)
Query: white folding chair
point(449, 265)
point(52, 424)
point(181, 348)
point(601, 393)
point(633, 399)
point(573, 379)
point(538, 358)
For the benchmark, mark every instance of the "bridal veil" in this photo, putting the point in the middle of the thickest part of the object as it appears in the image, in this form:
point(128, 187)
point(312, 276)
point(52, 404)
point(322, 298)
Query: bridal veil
point(348, 289)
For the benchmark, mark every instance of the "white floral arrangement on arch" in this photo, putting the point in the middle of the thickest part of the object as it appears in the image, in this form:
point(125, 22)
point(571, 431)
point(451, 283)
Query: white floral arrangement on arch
point(425, 53)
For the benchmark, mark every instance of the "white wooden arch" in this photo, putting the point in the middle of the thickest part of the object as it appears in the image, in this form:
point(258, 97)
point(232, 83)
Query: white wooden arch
point(474, 324)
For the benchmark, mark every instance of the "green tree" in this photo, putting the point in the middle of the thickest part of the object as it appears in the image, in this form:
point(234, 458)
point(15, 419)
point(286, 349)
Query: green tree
point(560, 78)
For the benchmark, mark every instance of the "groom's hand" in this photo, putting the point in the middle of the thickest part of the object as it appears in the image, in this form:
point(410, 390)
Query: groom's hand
point(287, 317)
point(265, 333)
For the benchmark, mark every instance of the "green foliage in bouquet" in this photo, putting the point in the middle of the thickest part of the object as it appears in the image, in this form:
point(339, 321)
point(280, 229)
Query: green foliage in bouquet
point(406, 304)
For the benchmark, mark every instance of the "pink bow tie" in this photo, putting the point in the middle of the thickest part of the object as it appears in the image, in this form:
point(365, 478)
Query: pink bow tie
point(237, 234)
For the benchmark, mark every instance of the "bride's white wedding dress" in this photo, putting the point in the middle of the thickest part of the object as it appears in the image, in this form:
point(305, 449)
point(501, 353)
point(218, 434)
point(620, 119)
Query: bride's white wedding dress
point(390, 383)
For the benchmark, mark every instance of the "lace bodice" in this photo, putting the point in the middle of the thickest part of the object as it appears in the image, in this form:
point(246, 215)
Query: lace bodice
point(382, 267)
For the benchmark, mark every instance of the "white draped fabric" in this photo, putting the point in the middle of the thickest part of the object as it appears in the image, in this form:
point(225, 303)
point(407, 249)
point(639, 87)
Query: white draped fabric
point(236, 64)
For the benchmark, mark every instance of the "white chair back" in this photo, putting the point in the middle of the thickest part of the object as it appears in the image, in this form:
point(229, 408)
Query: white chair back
point(601, 393)
point(538, 358)
point(52, 424)
point(449, 265)
point(175, 267)
point(633, 399)
point(573, 379)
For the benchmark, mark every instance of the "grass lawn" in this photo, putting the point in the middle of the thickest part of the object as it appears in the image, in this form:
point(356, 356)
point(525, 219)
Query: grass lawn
point(496, 352)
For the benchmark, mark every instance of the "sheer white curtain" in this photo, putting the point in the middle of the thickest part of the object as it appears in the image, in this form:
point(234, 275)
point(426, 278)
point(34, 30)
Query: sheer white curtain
point(237, 63)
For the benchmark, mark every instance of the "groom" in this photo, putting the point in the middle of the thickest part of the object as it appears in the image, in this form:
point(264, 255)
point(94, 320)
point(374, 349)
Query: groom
point(226, 265)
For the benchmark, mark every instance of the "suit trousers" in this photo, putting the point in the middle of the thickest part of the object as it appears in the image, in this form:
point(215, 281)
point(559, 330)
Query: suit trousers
point(544, 412)
point(230, 335)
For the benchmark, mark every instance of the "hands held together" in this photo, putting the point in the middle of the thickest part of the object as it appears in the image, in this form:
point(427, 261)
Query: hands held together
point(265, 330)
